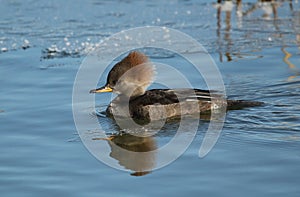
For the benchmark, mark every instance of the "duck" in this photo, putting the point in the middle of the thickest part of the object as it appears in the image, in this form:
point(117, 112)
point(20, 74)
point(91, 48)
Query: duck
point(130, 78)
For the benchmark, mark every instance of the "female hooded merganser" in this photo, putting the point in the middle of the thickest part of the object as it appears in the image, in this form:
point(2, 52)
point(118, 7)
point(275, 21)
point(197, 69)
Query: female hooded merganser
point(130, 78)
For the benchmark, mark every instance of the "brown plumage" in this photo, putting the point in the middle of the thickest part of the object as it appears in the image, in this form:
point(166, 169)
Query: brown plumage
point(130, 77)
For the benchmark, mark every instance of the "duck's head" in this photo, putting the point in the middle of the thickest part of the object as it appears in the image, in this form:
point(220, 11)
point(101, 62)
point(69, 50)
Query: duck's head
point(130, 77)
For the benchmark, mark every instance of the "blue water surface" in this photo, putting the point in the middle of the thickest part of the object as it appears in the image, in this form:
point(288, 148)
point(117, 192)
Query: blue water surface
point(254, 44)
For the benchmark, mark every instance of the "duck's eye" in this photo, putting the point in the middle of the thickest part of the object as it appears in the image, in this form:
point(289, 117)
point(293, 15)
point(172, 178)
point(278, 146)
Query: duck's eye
point(114, 81)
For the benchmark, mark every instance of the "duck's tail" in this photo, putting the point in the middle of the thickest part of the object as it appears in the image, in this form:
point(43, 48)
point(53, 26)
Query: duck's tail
point(240, 104)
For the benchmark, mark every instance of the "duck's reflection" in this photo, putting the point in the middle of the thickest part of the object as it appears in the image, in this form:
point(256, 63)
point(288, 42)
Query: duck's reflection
point(124, 147)
point(126, 143)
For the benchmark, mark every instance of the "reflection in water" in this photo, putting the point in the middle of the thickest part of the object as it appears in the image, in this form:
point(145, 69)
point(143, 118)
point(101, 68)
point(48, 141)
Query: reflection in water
point(247, 24)
point(287, 54)
point(140, 163)
point(135, 144)
point(291, 66)
point(127, 144)
point(268, 7)
point(227, 7)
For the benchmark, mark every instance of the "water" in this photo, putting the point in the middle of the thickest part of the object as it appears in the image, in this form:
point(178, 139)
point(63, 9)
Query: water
point(42, 46)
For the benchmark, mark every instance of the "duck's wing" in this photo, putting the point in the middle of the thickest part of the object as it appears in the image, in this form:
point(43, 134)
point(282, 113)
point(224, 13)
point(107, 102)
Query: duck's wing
point(193, 94)
point(159, 104)
point(170, 96)
point(205, 95)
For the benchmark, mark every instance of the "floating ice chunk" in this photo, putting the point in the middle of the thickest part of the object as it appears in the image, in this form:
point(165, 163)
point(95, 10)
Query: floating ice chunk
point(4, 49)
point(26, 44)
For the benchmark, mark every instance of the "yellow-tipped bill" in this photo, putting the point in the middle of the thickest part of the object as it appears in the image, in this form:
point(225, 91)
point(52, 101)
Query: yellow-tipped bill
point(102, 89)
